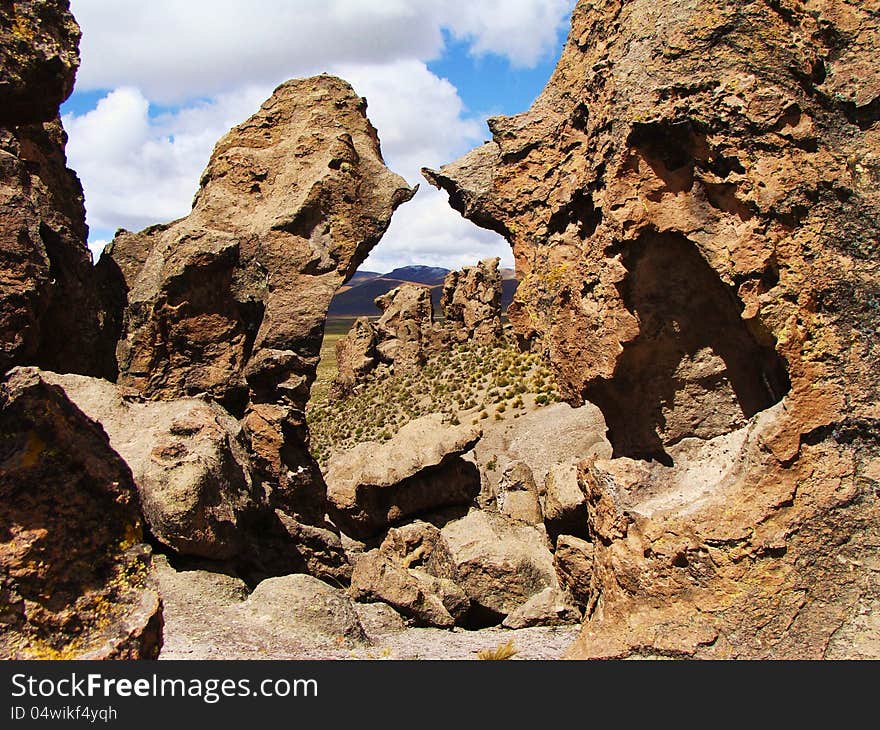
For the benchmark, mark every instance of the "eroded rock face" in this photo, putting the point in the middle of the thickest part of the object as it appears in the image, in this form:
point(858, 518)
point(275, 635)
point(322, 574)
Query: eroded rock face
point(49, 310)
point(403, 332)
point(230, 302)
point(471, 302)
point(374, 486)
point(188, 461)
point(693, 207)
point(75, 579)
point(356, 355)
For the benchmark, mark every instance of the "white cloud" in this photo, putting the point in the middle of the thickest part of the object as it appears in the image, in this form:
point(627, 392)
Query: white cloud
point(213, 62)
point(175, 50)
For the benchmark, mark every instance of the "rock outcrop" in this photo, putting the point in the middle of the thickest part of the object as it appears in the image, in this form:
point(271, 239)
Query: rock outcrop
point(420, 470)
point(399, 340)
point(49, 310)
point(230, 302)
point(188, 461)
point(75, 578)
point(471, 302)
point(693, 207)
point(499, 563)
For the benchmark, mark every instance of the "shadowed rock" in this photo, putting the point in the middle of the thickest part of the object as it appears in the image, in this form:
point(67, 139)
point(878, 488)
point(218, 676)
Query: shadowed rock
point(693, 206)
point(75, 579)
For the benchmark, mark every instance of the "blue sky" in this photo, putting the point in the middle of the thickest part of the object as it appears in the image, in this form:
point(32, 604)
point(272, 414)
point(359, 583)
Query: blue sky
point(161, 82)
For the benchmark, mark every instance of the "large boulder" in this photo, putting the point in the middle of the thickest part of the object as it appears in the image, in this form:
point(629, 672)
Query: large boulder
point(412, 571)
point(693, 206)
point(75, 579)
point(471, 302)
point(189, 464)
point(420, 470)
point(403, 332)
point(49, 310)
point(356, 355)
point(230, 302)
point(539, 440)
point(499, 563)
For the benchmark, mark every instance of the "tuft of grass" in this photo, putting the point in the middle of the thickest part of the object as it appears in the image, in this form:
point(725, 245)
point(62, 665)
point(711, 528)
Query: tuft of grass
point(499, 653)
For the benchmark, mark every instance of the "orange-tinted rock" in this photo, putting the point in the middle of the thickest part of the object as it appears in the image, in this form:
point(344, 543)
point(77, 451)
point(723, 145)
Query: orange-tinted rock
point(49, 310)
point(230, 301)
point(75, 580)
point(693, 207)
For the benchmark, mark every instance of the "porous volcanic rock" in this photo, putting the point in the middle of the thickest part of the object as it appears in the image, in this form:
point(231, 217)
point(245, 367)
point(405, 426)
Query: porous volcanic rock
point(188, 461)
point(356, 355)
point(230, 302)
point(471, 302)
point(412, 571)
point(499, 563)
point(550, 607)
point(75, 579)
point(403, 332)
point(573, 559)
point(693, 205)
point(49, 310)
point(374, 486)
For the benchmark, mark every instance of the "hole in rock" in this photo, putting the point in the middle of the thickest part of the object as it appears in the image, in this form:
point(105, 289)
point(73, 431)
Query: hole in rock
point(696, 369)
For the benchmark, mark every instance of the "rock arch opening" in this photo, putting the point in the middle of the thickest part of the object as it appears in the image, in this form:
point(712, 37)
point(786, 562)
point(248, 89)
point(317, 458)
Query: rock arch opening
point(696, 369)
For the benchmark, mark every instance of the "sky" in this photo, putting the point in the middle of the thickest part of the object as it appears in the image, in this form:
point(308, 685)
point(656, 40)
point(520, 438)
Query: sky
point(161, 81)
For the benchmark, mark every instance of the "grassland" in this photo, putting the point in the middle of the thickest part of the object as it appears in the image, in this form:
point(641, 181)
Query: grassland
point(468, 383)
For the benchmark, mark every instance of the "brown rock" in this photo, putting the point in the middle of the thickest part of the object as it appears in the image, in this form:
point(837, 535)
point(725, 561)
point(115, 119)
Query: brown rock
point(403, 332)
point(230, 301)
point(573, 559)
point(471, 302)
point(356, 355)
point(413, 571)
point(693, 204)
point(565, 506)
point(75, 580)
point(189, 464)
point(499, 563)
point(373, 485)
point(518, 494)
point(550, 607)
point(540, 440)
point(301, 605)
point(49, 310)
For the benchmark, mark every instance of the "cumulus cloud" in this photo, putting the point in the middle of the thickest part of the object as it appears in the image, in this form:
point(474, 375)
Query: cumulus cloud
point(174, 50)
point(210, 63)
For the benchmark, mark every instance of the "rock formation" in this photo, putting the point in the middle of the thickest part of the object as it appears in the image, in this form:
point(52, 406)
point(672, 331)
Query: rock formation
point(693, 206)
point(471, 302)
point(75, 580)
point(400, 339)
point(49, 311)
point(229, 303)
point(374, 486)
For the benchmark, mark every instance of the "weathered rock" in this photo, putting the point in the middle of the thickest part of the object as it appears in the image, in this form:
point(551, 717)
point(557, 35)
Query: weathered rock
point(403, 332)
point(499, 563)
point(49, 310)
point(356, 355)
point(231, 300)
point(471, 302)
point(189, 464)
point(378, 577)
point(303, 605)
point(565, 506)
point(541, 439)
point(693, 207)
point(373, 485)
point(573, 559)
point(75, 580)
point(550, 607)
point(413, 571)
point(379, 619)
point(518, 494)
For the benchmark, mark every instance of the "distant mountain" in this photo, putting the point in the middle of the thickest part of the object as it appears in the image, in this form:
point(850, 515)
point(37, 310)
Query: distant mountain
point(430, 275)
point(356, 299)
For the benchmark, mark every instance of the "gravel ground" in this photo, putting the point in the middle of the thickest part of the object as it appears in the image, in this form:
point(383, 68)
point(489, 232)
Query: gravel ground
point(204, 620)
